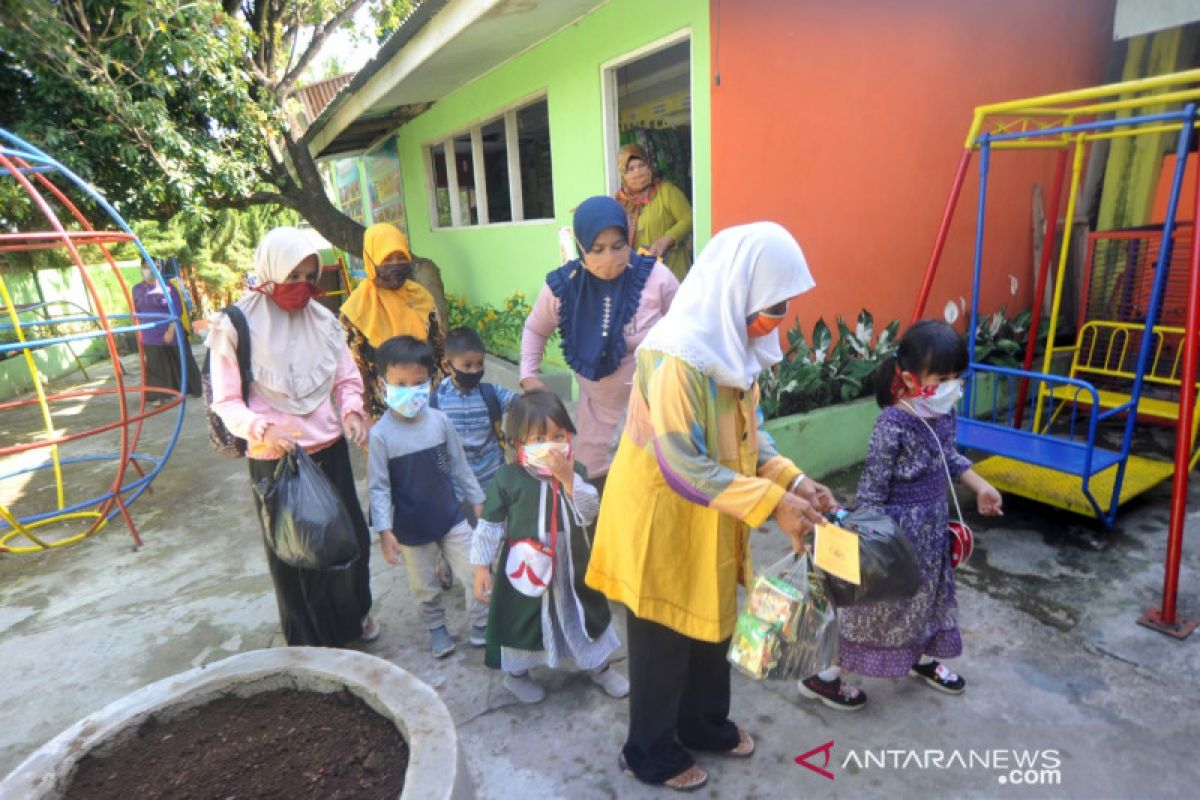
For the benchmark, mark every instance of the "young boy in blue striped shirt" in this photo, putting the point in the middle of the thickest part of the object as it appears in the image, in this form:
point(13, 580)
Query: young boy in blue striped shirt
point(474, 408)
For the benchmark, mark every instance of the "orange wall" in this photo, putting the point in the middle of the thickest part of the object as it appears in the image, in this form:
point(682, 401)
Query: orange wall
point(845, 121)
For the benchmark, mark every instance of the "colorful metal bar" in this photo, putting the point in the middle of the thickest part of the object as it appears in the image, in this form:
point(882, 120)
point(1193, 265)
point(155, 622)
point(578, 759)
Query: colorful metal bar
point(939, 241)
point(1163, 618)
point(1039, 292)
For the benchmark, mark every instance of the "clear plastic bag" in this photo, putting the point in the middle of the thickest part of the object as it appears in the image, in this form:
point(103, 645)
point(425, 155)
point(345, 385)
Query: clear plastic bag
point(788, 625)
point(305, 522)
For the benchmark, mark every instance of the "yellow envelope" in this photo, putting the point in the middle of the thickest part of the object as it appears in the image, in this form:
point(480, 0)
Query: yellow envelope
point(836, 552)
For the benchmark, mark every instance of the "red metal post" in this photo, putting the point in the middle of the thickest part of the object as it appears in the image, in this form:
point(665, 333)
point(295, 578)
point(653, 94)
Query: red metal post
point(939, 243)
point(1035, 321)
point(1163, 618)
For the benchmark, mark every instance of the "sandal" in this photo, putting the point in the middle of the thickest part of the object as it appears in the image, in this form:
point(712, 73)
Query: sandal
point(745, 745)
point(689, 780)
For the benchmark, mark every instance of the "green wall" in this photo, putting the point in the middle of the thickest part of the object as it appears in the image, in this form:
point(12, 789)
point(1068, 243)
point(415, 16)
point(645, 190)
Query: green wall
point(488, 263)
point(62, 284)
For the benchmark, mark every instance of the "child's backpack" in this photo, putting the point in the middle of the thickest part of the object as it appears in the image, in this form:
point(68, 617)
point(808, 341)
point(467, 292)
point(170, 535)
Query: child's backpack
point(491, 399)
point(219, 436)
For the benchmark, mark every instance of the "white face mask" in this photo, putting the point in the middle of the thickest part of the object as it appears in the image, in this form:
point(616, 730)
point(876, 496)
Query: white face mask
point(537, 456)
point(941, 402)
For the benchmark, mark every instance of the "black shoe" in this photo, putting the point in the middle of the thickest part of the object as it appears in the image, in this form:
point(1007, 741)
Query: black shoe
point(836, 694)
point(938, 677)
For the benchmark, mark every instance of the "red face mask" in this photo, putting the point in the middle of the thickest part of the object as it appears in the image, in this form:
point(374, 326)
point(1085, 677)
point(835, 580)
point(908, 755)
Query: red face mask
point(294, 296)
point(762, 324)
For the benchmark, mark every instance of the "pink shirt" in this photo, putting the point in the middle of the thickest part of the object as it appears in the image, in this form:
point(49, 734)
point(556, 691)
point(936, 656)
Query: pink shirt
point(314, 431)
point(601, 406)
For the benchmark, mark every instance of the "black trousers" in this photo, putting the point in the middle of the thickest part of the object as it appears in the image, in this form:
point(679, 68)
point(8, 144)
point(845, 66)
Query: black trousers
point(678, 698)
point(163, 370)
point(320, 608)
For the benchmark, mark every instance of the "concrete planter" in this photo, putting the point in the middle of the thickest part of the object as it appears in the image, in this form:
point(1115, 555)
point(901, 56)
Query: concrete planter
point(505, 369)
point(435, 767)
point(827, 439)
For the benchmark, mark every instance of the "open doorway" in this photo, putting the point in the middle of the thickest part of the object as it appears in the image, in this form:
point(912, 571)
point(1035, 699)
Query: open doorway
point(649, 102)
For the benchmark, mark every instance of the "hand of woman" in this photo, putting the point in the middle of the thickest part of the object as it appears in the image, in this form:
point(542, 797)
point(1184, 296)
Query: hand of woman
point(355, 429)
point(483, 583)
point(661, 246)
point(533, 385)
point(818, 495)
point(169, 335)
point(796, 516)
point(277, 438)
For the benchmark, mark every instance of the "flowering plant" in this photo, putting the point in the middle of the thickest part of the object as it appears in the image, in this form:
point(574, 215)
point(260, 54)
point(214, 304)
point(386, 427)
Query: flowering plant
point(500, 328)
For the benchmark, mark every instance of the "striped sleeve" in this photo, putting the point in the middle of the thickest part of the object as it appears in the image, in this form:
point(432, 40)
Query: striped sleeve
point(678, 398)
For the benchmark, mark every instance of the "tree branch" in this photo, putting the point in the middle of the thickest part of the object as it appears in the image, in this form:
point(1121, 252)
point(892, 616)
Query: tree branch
point(284, 89)
point(252, 199)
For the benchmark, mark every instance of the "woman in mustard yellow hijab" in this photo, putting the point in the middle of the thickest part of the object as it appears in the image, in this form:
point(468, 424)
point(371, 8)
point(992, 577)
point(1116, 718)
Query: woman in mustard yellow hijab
point(388, 303)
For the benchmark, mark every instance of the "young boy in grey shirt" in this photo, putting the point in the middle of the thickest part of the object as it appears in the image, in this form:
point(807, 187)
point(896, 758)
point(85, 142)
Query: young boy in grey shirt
point(415, 460)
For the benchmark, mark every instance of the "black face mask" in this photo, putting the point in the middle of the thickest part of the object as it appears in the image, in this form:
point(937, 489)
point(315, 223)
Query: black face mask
point(467, 380)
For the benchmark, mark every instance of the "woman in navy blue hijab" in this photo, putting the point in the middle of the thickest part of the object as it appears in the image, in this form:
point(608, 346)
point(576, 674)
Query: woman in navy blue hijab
point(602, 304)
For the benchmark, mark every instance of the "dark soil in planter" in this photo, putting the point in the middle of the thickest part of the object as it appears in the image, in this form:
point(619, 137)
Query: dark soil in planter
point(283, 744)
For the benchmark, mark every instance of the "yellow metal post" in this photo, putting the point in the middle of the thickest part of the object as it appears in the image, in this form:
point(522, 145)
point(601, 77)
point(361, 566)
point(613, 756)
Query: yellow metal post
point(1059, 280)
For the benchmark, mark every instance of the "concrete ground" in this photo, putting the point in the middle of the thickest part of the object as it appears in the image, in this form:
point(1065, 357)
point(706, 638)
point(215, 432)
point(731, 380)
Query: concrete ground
point(1058, 669)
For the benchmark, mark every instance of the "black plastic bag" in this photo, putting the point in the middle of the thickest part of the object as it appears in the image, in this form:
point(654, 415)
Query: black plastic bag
point(305, 522)
point(888, 565)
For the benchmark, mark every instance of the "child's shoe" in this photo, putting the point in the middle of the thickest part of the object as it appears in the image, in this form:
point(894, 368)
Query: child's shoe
point(524, 687)
point(938, 677)
point(837, 694)
point(440, 643)
point(478, 636)
point(612, 682)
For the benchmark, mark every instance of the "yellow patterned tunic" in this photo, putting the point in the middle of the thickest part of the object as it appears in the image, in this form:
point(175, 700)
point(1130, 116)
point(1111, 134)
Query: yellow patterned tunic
point(693, 473)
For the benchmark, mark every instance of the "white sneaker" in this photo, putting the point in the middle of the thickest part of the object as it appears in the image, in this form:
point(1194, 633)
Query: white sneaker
point(525, 688)
point(612, 682)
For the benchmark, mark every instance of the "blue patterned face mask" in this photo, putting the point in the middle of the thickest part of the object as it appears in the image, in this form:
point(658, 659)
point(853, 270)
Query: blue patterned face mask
point(407, 401)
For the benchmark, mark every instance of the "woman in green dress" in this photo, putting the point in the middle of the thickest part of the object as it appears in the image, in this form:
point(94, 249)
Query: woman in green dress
point(660, 216)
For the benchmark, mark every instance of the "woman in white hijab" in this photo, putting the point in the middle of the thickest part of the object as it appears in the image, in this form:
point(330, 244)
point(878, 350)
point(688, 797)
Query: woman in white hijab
point(692, 475)
point(305, 391)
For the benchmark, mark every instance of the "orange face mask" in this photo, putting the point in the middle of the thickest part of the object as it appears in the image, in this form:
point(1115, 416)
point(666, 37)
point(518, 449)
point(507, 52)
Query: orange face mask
point(763, 323)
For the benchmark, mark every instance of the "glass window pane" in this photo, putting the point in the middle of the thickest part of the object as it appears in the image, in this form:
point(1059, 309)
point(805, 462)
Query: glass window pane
point(464, 163)
point(495, 171)
point(533, 129)
point(441, 185)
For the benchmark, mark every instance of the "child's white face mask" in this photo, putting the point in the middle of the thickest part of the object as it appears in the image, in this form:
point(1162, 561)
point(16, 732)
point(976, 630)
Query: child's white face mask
point(941, 402)
point(537, 456)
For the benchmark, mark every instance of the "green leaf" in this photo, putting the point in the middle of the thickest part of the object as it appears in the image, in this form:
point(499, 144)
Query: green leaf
point(822, 339)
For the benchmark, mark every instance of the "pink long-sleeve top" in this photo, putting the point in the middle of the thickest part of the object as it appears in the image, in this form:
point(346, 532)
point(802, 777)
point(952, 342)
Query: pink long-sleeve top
point(313, 431)
point(601, 405)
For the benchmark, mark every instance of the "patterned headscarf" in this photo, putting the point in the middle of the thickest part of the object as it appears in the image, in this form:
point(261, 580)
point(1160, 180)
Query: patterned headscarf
point(632, 202)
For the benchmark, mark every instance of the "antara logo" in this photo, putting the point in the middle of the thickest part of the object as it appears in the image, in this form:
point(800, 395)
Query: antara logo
point(827, 750)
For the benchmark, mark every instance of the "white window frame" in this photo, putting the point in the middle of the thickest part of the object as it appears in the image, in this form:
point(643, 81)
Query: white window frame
point(474, 130)
point(608, 95)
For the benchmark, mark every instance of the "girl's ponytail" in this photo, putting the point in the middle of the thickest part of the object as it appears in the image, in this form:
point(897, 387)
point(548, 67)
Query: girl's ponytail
point(885, 381)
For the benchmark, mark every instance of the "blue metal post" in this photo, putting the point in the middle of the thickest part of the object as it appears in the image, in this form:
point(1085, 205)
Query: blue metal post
point(1160, 281)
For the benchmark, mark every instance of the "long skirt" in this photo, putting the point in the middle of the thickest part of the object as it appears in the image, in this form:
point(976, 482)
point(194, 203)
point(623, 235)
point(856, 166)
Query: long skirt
point(322, 608)
point(163, 370)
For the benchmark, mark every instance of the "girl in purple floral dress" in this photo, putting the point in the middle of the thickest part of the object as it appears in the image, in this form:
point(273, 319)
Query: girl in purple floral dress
point(904, 477)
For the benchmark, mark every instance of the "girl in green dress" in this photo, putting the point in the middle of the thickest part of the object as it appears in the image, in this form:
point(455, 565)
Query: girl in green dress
point(539, 514)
